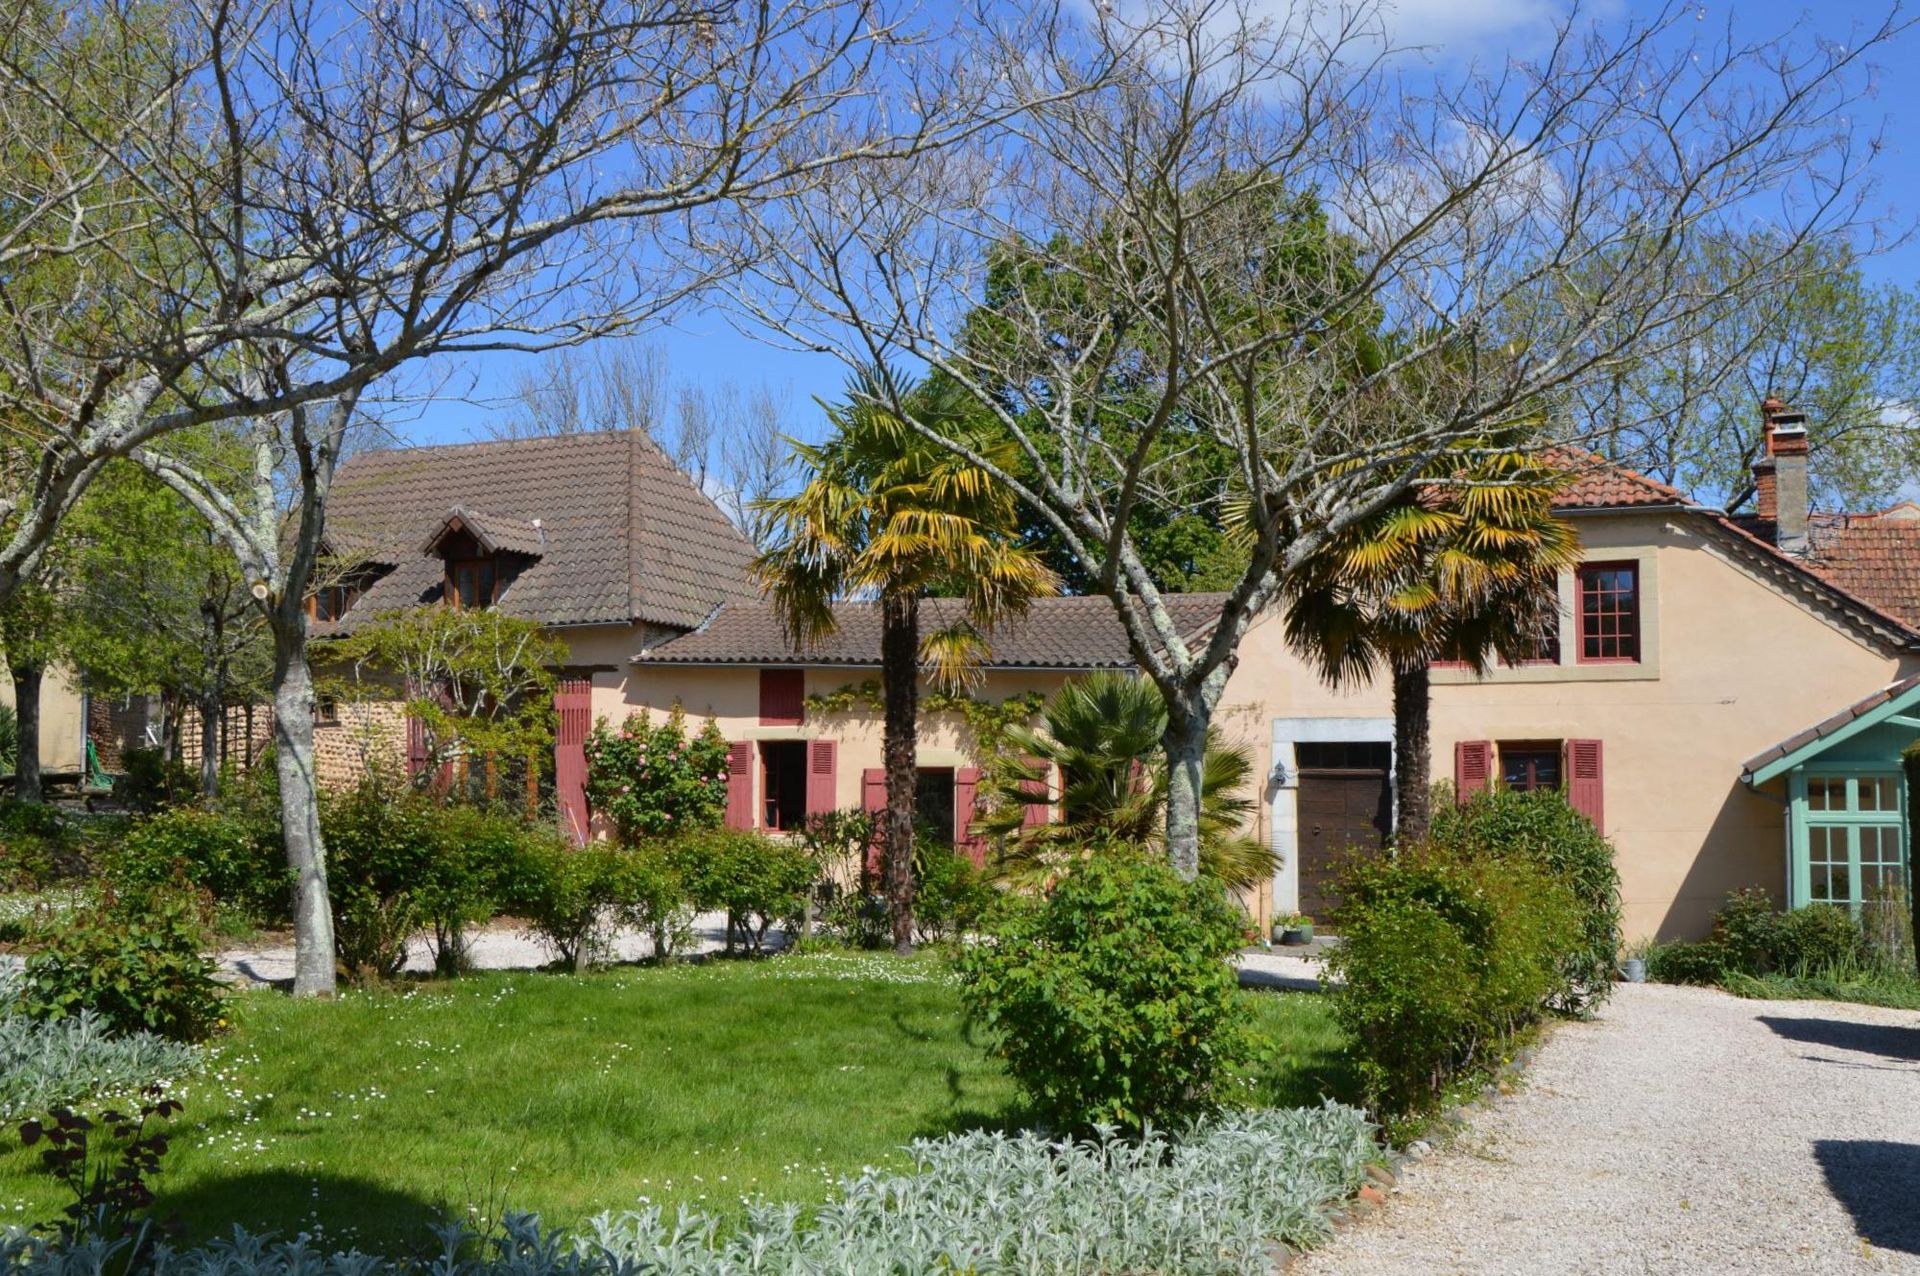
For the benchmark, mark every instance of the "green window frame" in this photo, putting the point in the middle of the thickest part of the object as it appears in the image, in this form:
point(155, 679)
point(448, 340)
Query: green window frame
point(1849, 834)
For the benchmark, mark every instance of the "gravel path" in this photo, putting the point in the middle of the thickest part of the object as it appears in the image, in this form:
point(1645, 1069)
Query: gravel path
point(499, 946)
point(1684, 1131)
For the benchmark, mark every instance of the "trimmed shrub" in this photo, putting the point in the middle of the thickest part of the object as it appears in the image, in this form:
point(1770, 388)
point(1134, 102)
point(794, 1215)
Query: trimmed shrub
point(1216, 1200)
point(952, 896)
point(1542, 829)
point(401, 862)
point(756, 880)
point(1443, 956)
point(135, 961)
point(574, 898)
point(1114, 1000)
point(241, 865)
point(1703, 962)
point(1816, 938)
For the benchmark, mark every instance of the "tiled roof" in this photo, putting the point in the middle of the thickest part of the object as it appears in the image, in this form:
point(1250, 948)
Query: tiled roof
point(1056, 633)
point(494, 533)
point(1820, 730)
point(624, 535)
point(1876, 559)
point(1602, 484)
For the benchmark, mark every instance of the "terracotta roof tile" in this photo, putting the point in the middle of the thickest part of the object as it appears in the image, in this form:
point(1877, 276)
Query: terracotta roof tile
point(624, 535)
point(1602, 484)
point(1800, 739)
point(1056, 633)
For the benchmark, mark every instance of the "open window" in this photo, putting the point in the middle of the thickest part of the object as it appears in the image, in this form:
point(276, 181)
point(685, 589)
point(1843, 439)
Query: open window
point(783, 769)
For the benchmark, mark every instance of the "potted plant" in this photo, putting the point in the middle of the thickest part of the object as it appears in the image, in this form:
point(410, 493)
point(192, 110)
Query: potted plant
point(1294, 929)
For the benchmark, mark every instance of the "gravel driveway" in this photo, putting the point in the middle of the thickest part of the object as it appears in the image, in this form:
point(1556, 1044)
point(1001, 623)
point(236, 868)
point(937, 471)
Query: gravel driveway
point(1684, 1131)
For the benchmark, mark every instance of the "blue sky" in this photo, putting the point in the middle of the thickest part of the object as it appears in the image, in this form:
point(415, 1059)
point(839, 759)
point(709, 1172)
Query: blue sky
point(702, 348)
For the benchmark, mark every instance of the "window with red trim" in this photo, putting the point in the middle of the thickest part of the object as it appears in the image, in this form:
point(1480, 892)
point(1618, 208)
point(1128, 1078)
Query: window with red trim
point(1609, 613)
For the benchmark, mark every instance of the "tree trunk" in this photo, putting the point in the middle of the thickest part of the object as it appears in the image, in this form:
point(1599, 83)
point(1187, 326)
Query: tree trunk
point(26, 711)
point(313, 953)
point(209, 742)
point(900, 681)
point(1412, 752)
point(1186, 746)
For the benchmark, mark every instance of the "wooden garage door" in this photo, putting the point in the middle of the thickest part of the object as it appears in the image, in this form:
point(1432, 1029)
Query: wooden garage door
point(1345, 799)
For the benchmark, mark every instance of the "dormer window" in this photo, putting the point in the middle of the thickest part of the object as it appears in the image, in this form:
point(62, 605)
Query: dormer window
point(483, 553)
point(331, 602)
point(472, 582)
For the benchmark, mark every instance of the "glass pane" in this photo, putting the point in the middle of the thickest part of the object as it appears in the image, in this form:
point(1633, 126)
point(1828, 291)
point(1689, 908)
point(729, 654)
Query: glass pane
point(1817, 886)
point(1841, 890)
point(1816, 793)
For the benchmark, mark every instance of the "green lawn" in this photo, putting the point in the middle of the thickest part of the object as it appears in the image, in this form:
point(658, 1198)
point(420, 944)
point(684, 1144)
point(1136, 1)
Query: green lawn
point(365, 1117)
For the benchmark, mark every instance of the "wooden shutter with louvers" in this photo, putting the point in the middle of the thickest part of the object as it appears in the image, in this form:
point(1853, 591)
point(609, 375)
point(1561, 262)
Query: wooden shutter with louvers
point(966, 792)
point(740, 785)
point(783, 697)
point(573, 712)
point(823, 774)
point(1585, 789)
point(1039, 799)
point(1472, 767)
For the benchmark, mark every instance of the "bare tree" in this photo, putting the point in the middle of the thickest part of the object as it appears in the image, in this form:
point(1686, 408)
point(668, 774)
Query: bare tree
point(738, 449)
point(1282, 244)
point(287, 201)
point(615, 385)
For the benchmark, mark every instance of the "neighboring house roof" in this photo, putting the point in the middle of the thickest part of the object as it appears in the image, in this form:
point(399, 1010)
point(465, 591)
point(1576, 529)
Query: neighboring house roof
point(1885, 703)
point(1863, 569)
point(1055, 633)
point(623, 533)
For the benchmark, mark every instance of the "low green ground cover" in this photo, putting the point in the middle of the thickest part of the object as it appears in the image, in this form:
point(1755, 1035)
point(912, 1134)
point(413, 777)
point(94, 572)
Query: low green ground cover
point(366, 1118)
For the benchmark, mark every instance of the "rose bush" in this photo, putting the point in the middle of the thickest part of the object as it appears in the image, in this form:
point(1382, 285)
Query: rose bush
point(652, 779)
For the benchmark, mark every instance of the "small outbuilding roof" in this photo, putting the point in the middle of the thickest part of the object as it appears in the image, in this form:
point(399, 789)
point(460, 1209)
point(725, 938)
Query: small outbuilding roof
point(1888, 703)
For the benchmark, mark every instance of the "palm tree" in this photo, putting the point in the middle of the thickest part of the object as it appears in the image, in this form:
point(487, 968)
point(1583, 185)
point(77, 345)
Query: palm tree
point(888, 516)
point(1103, 732)
point(1464, 569)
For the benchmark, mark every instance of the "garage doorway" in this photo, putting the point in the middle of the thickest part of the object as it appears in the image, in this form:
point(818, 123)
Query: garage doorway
point(1345, 800)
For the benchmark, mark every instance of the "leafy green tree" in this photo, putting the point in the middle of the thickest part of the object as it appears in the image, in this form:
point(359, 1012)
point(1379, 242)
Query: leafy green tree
point(1821, 338)
point(1102, 732)
point(478, 683)
point(158, 605)
point(886, 514)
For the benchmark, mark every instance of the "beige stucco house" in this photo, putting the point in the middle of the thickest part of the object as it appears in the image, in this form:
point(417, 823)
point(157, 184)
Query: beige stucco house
point(1725, 697)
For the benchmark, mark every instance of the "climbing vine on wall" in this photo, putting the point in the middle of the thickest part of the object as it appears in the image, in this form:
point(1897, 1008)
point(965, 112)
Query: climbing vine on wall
point(987, 720)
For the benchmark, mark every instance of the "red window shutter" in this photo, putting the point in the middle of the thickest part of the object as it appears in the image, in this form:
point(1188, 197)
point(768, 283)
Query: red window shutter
point(823, 774)
point(1040, 801)
point(573, 712)
point(966, 792)
point(1585, 789)
point(740, 785)
point(783, 697)
point(1472, 767)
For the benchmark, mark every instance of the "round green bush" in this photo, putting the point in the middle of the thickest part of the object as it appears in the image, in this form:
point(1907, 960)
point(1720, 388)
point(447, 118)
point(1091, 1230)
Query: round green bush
point(240, 864)
point(574, 898)
point(1704, 962)
point(1443, 956)
point(1817, 938)
point(1541, 828)
point(756, 880)
point(1114, 999)
point(137, 961)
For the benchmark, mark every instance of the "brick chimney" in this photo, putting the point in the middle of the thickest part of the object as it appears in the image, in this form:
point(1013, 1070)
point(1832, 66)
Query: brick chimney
point(1780, 478)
